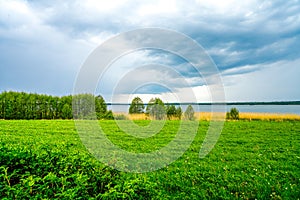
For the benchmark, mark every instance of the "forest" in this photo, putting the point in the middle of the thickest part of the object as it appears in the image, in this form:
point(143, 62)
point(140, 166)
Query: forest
point(21, 105)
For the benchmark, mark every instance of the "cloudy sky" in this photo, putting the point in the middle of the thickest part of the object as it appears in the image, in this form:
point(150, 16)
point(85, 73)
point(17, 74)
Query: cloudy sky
point(255, 45)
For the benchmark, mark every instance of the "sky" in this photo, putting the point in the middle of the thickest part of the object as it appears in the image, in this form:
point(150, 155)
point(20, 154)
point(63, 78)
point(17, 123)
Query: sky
point(254, 44)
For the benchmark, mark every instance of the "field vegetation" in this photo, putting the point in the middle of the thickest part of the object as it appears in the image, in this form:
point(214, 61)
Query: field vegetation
point(45, 159)
point(206, 116)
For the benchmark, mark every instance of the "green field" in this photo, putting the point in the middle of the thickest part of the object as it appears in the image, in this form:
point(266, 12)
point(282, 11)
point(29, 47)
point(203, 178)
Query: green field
point(46, 159)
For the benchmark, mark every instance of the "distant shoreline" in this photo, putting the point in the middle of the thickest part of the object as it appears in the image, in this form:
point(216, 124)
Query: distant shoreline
point(225, 103)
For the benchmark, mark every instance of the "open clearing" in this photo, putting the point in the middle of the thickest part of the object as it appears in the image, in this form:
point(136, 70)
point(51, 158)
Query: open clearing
point(252, 159)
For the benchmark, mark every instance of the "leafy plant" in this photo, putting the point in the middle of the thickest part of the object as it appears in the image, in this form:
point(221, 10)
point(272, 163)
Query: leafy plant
point(120, 117)
point(233, 114)
point(252, 160)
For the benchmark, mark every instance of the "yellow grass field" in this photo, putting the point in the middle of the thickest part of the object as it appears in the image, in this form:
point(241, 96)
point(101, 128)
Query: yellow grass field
point(206, 116)
point(269, 116)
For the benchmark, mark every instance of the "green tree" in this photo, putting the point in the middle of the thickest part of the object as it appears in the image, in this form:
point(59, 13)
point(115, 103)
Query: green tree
point(171, 111)
point(152, 102)
point(84, 106)
point(189, 113)
point(21, 105)
point(156, 109)
point(101, 107)
point(66, 112)
point(233, 114)
point(178, 112)
point(65, 107)
point(136, 106)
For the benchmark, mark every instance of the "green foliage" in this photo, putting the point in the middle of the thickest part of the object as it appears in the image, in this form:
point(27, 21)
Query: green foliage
point(20, 105)
point(173, 112)
point(136, 106)
point(152, 102)
point(252, 160)
point(233, 114)
point(156, 109)
point(66, 112)
point(189, 113)
point(178, 112)
point(170, 111)
point(109, 115)
point(45, 160)
point(157, 112)
point(120, 117)
point(84, 106)
point(101, 107)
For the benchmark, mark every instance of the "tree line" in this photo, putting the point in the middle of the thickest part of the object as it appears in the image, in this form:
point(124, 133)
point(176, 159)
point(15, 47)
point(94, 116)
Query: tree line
point(157, 109)
point(21, 105)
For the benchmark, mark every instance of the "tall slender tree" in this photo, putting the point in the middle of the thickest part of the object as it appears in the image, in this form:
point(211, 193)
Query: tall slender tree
point(189, 113)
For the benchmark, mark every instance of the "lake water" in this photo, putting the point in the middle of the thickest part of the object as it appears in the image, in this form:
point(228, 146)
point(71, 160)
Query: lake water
point(291, 109)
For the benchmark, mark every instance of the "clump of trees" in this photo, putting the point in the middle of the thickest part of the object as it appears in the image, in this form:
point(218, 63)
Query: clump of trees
point(233, 114)
point(88, 106)
point(21, 105)
point(156, 109)
point(173, 112)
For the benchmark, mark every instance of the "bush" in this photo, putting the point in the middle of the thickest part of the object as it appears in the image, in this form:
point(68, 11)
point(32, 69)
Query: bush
point(120, 117)
point(233, 114)
point(109, 115)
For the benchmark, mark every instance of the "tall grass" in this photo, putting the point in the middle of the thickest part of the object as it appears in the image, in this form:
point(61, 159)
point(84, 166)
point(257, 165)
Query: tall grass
point(269, 116)
point(207, 116)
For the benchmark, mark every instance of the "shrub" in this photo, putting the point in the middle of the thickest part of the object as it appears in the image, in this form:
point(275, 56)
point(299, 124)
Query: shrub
point(120, 117)
point(109, 115)
point(233, 114)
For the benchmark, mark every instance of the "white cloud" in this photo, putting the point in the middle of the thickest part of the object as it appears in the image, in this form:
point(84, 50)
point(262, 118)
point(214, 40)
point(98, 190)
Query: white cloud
point(241, 70)
point(182, 95)
point(275, 82)
point(168, 7)
point(242, 36)
point(101, 6)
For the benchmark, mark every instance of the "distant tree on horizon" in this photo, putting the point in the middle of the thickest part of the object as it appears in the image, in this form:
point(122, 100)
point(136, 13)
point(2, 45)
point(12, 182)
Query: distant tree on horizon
point(156, 109)
point(189, 113)
point(173, 112)
point(136, 106)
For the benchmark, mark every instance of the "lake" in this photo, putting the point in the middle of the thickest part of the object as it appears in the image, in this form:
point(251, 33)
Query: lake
point(291, 109)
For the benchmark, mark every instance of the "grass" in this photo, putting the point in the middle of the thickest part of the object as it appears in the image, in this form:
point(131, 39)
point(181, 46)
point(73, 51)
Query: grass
point(269, 116)
point(252, 159)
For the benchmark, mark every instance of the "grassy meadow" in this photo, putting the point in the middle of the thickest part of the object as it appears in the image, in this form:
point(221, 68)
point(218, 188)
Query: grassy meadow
point(45, 159)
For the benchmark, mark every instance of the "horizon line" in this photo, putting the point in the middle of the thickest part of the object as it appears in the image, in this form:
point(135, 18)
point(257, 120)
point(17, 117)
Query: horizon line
point(222, 103)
